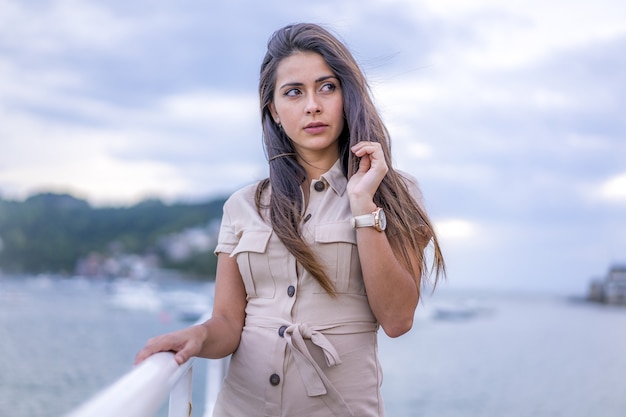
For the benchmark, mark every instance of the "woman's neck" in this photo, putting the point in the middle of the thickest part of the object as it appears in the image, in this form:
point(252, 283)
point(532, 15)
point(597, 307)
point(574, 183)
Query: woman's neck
point(315, 167)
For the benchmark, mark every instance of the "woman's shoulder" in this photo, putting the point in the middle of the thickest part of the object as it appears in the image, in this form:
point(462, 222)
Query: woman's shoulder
point(409, 180)
point(245, 192)
point(246, 195)
point(412, 185)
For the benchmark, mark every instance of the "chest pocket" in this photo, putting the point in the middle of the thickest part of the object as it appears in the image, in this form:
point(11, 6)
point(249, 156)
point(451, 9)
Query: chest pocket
point(335, 244)
point(254, 264)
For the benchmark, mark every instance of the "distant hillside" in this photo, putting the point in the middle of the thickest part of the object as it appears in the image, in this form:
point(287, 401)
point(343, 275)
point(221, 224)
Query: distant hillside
point(51, 232)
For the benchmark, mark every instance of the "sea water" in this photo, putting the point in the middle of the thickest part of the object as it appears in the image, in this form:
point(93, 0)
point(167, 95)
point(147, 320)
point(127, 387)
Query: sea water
point(468, 354)
point(521, 356)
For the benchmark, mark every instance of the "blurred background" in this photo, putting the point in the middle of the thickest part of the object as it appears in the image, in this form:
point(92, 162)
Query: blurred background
point(124, 125)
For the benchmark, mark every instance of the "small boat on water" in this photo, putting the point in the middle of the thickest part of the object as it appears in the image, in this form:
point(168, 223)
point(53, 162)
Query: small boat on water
point(187, 305)
point(458, 310)
point(134, 295)
point(141, 295)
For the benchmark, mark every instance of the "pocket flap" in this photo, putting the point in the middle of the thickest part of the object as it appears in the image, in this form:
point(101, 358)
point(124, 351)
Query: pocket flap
point(253, 241)
point(335, 232)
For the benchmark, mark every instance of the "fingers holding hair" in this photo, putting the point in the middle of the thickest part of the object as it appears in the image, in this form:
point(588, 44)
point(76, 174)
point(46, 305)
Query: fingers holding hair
point(372, 156)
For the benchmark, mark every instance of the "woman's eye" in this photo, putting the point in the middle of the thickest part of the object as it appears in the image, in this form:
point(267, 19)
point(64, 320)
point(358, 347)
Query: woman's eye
point(328, 87)
point(292, 92)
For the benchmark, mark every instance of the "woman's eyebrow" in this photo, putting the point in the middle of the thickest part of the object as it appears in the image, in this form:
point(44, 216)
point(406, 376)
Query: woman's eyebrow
point(299, 84)
point(324, 78)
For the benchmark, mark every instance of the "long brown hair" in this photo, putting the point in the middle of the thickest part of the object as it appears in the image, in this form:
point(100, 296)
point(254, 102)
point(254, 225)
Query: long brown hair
point(408, 226)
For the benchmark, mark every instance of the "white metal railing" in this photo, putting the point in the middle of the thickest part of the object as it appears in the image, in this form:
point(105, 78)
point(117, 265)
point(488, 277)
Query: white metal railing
point(144, 390)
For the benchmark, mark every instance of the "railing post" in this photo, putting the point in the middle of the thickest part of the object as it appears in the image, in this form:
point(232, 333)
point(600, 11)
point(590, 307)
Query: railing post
point(216, 370)
point(180, 396)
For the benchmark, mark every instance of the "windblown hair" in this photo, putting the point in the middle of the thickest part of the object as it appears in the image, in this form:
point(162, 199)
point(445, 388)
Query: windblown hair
point(409, 229)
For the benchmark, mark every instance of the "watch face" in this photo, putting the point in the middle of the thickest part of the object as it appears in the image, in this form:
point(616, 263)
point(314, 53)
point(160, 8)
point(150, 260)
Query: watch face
point(382, 220)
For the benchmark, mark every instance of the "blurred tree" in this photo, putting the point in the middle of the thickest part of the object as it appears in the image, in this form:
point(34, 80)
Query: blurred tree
point(50, 232)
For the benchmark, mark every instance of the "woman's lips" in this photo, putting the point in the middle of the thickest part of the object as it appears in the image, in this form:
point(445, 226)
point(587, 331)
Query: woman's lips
point(315, 128)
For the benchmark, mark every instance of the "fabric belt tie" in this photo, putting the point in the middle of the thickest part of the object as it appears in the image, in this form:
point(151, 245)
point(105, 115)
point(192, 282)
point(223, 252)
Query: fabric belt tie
point(314, 379)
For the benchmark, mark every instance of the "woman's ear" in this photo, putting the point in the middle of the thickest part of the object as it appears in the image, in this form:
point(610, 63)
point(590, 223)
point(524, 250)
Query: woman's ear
point(274, 114)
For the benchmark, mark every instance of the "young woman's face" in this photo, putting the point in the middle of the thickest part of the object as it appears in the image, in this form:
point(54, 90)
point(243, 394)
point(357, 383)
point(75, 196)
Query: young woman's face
point(308, 103)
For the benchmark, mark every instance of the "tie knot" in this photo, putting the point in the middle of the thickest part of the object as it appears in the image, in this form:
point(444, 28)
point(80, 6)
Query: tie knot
point(305, 330)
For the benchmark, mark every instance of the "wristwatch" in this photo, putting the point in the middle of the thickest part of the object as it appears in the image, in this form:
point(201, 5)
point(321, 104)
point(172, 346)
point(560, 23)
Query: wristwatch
point(376, 219)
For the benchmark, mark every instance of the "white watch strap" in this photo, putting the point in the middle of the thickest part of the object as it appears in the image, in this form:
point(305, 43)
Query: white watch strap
point(364, 220)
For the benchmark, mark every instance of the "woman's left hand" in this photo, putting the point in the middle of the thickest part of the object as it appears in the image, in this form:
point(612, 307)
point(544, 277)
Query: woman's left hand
point(364, 183)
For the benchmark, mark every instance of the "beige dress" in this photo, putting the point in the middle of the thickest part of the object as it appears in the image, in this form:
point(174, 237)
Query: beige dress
point(302, 353)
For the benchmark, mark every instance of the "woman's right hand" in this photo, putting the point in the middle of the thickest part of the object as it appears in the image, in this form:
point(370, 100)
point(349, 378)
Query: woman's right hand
point(184, 343)
point(217, 337)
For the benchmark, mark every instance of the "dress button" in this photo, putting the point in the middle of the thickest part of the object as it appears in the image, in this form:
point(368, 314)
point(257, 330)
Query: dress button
point(281, 331)
point(274, 379)
point(319, 186)
point(291, 291)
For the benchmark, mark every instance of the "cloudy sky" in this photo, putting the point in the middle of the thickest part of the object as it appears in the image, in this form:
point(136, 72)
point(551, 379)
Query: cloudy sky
point(510, 113)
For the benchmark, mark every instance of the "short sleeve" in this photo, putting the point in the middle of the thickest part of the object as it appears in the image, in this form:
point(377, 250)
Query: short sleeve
point(238, 215)
point(227, 239)
point(415, 191)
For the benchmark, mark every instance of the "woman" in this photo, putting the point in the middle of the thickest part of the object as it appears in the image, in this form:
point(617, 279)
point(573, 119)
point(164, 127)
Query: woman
point(312, 260)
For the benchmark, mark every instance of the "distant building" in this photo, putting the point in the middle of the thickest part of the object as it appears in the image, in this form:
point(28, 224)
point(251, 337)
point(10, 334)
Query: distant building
point(186, 243)
point(611, 289)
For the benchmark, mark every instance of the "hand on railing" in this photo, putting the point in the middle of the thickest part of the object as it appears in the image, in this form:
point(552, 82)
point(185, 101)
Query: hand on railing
point(183, 343)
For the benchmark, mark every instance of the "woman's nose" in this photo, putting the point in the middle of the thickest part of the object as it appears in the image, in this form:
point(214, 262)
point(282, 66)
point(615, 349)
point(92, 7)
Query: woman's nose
point(313, 105)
